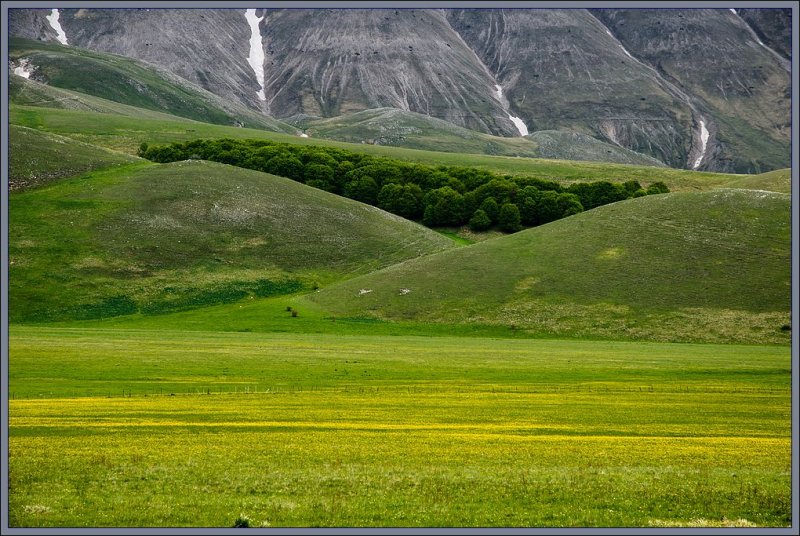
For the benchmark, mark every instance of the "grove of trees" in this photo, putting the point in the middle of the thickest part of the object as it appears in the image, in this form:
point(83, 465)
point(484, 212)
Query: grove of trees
point(443, 196)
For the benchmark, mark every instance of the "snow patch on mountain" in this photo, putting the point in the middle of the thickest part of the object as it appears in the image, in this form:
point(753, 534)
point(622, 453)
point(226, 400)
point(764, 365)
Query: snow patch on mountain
point(52, 18)
point(256, 57)
point(620, 44)
point(519, 123)
point(703, 144)
point(24, 69)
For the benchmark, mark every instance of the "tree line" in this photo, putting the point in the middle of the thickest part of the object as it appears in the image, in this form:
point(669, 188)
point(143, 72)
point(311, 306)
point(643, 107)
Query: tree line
point(440, 196)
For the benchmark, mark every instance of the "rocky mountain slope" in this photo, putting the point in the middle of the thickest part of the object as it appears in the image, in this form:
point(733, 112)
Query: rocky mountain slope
point(738, 88)
point(695, 89)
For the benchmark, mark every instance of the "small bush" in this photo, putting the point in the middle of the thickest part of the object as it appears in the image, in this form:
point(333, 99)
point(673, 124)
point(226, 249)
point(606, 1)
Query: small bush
point(242, 522)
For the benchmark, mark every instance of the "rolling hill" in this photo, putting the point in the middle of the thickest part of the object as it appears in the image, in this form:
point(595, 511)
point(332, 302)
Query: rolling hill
point(158, 238)
point(711, 266)
point(779, 180)
point(37, 158)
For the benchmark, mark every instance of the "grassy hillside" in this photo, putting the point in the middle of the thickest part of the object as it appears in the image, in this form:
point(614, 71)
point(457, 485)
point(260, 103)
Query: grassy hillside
point(565, 145)
point(127, 133)
point(36, 158)
point(132, 82)
point(399, 128)
point(27, 92)
point(711, 266)
point(159, 238)
point(779, 180)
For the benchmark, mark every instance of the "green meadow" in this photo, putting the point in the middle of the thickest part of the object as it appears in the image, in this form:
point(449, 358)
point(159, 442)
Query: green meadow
point(199, 345)
point(301, 430)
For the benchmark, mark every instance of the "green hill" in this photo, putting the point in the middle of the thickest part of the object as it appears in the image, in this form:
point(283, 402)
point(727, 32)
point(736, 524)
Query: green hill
point(132, 82)
point(779, 180)
point(36, 158)
point(712, 266)
point(160, 238)
point(563, 145)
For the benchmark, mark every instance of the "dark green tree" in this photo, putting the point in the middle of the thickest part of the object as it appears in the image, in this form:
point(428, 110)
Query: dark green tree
point(631, 187)
point(402, 199)
point(364, 189)
point(286, 165)
point(491, 209)
point(657, 188)
point(509, 219)
point(319, 174)
point(547, 208)
point(480, 221)
point(443, 207)
point(569, 204)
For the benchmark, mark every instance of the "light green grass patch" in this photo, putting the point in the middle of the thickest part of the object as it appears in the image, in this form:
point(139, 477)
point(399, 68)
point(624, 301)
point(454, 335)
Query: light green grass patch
point(316, 430)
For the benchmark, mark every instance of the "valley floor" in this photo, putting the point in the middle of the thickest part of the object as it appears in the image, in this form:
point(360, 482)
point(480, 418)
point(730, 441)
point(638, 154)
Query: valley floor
point(141, 428)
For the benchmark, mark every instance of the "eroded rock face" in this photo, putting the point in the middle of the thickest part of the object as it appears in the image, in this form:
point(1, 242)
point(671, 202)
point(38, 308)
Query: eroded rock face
point(740, 87)
point(773, 27)
point(692, 88)
point(31, 24)
point(561, 69)
point(332, 62)
point(208, 47)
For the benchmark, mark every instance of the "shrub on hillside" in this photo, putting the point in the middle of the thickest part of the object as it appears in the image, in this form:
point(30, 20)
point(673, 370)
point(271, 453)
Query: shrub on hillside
point(509, 219)
point(480, 221)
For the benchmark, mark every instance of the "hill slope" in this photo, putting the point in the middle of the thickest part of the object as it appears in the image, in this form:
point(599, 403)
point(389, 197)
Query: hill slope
point(127, 81)
point(779, 180)
point(562, 145)
point(711, 266)
point(36, 158)
point(400, 128)
point(166, 237)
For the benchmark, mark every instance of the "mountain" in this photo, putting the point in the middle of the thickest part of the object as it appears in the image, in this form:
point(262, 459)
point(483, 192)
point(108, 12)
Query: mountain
point(696, 89)
point(696, 266)
point(560, 69)
point(737, 86)
point(772, 26)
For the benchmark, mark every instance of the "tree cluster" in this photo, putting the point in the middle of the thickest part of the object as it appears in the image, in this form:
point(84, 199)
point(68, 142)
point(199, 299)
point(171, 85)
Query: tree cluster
point(442, 196)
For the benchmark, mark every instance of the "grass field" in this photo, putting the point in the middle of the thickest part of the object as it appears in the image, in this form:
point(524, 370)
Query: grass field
point(199, 429)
